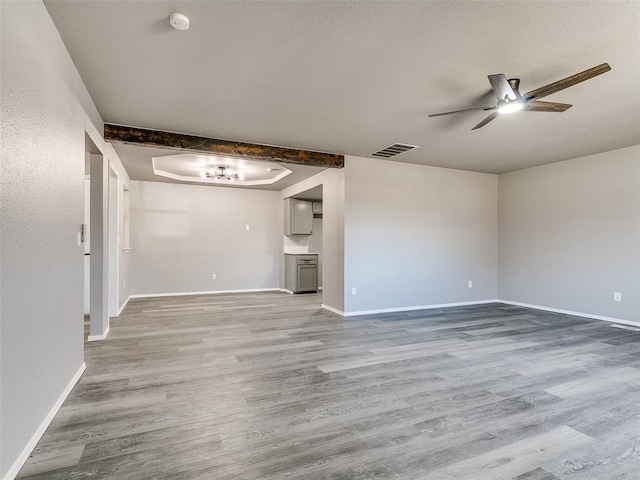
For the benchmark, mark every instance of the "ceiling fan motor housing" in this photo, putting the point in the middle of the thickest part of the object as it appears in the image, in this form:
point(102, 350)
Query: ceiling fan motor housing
point(515, 85)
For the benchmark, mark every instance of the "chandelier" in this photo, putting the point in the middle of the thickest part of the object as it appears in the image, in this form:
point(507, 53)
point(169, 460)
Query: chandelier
point(220, 174)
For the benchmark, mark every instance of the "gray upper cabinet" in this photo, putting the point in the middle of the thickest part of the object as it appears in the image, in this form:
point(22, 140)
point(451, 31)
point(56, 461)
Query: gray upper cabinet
point(298, 218)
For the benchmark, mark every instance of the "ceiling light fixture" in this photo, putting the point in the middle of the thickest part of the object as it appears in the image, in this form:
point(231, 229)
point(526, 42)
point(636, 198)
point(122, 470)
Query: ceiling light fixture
point(179, 21)
point(221, 175)
point(506, 106)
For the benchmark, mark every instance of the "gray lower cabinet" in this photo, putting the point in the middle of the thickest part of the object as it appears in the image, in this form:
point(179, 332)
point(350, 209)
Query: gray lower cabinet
point(301, 272)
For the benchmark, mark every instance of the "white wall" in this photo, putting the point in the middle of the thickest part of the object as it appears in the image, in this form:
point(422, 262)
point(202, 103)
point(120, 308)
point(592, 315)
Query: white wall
point(570, 235)
point(415, 235)
point(182, 234)
point(46, 111)
point(315, 245)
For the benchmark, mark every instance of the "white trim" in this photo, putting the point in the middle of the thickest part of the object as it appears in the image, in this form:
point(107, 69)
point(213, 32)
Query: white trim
point(286, 290)
point(95, 338)
point(624, 327)
point(418, 307)
point(331, 309)
point(31, 444)
point(570, 312)
point(211, 292)
point(124, 305)
point(113, 237)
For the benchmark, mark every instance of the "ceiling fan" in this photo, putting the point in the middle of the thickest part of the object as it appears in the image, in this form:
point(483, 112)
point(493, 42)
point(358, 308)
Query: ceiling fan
point(510, 100)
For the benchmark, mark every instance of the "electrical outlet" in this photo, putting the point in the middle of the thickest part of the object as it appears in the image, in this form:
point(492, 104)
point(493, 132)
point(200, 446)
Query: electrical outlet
point(470, 283)
point(246, 227)
point(617, 296)
point(124, 284)
point(214, 276)
point(353, 290)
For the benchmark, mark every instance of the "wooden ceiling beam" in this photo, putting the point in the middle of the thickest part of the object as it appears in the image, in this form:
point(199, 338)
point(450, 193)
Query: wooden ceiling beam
point(192, 143)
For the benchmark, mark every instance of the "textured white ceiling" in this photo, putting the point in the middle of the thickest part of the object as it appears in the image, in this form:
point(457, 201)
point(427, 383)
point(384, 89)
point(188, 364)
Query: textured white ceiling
point(353, 77)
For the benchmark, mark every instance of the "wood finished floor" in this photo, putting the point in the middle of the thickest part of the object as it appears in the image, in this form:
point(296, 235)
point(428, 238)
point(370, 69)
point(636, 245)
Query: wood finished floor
point(270, 386)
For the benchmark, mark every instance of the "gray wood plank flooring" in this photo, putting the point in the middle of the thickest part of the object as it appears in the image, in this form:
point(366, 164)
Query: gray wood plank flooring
point(270, 386)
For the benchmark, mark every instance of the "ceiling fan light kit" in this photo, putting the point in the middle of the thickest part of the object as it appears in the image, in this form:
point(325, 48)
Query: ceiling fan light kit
point(505, 106)
point(509, 98)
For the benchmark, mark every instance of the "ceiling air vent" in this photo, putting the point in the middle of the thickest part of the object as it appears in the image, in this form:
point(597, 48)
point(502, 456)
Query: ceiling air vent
point(393, 150)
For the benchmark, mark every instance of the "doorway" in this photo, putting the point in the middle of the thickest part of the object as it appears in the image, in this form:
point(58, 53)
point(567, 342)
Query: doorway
point(96, 241)
point(312, 243)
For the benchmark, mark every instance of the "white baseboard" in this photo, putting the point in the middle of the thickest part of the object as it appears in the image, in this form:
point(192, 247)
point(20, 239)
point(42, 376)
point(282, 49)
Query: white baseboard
point(31, 444)
point(334, 310)
point(124, 305)
point(417, 307)
point(210, 292)
point(96, 338)
point(570, 312)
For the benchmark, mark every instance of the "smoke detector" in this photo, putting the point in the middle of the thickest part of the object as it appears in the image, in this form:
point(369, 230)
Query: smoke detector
point(179, 21)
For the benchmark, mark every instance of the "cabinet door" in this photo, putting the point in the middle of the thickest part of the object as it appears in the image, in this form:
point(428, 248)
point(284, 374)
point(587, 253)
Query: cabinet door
point(301, 217)
point(307, 278)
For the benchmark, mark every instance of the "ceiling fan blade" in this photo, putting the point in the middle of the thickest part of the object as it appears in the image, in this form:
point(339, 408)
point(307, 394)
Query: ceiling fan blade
point(491, 117)
point(501, 87)
point(567, 82)
point(536, 106)
point(462, 111)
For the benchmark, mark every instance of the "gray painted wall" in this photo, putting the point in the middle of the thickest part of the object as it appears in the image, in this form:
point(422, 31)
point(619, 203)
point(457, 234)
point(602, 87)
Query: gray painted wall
point(42, 208)
point(124, 272)
point(99, 259)
point(570, 235)
point(333, 188)
point(315, 245)
point(415, 235)
point(182, 234)
point(125, 277)
point(46, 113)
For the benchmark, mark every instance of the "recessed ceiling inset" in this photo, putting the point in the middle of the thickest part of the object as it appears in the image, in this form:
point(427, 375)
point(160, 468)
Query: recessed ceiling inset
point(196, 168)
point(393, 150)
